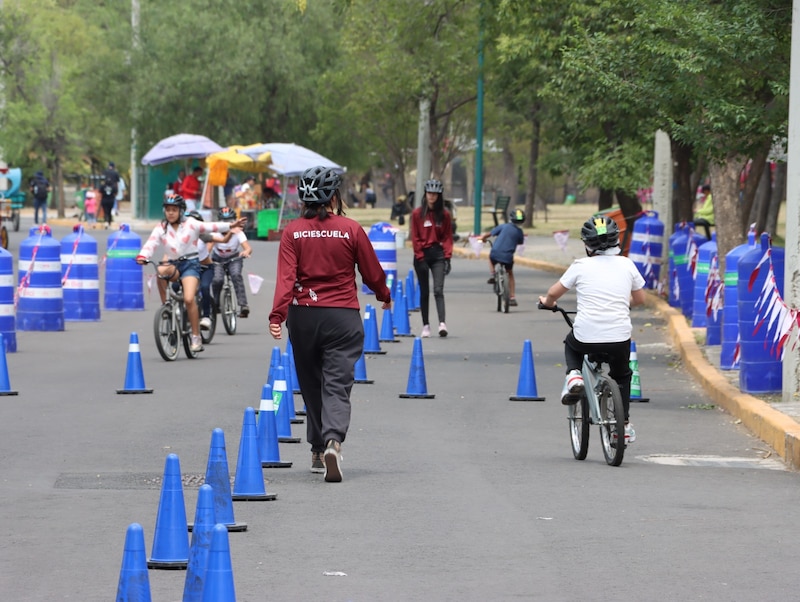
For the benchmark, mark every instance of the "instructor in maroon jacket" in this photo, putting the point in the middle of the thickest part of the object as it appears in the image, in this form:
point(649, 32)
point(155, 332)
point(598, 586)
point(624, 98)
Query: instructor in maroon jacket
point(316, 295)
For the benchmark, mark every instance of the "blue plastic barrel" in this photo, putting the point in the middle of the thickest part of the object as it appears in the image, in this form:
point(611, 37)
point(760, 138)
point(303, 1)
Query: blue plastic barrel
point(704, 254)
point(647, 244)
point(729, 357)
point(41, 297)
point(79, 277)
point(715, 290)
point(124, 284)
point(8, 326)
point(684, 248)
point(760, 369)
point(382, 237)
point(672, 276)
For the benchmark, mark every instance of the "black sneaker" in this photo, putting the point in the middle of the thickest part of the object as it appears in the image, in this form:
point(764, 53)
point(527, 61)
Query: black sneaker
point(244, 312)
point(317, 462)
point(333, 460)
point(490, 281)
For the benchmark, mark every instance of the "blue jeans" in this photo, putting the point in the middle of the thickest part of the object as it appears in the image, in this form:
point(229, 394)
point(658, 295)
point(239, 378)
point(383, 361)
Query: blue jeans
point(39, 204)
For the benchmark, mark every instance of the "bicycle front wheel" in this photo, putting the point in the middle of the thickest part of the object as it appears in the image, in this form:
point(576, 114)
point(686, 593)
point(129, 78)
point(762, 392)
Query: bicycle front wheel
point(167, 336)
point(186, 335)
point(612, 421)
point(579, 428)
point(228, 311)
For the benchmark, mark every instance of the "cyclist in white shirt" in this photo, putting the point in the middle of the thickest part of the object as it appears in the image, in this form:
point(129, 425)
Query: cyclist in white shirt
point(230, 256)
point(179, 235)
point(607, 284)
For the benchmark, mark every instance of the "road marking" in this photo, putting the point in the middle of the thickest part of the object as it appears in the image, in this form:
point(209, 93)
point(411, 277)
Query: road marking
point(714, 461)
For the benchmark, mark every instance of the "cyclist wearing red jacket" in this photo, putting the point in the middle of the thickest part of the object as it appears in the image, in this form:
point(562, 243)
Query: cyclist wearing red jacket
point(317, 296)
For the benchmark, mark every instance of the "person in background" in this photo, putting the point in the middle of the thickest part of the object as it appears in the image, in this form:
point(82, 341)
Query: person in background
point(108, 192)
point(704, 216)
point(508, 237)
point(40, 188)
point(606, 284)
point(317, 296)
point(432, 239)
point(90, 206)
point(120, 195)
point(229, 256)
point(190, 188)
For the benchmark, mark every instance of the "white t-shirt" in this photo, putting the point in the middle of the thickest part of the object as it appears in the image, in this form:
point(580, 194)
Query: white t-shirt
point(603, 284)
point(232, 247)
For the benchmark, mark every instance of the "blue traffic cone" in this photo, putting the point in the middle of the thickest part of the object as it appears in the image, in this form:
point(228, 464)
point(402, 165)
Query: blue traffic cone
point(268, 449)
point(204, 522)
point(361, 371)
point(218, 586)
point(526, 385)
point(219, 478)
point(5, 384)
point(371, 343)
point(293, 367)
point(248, 486)
point(402, 325)
point(636, 382)
point(417, 388)
point(170, 542)
point(282, 399)
point(287, 371)
point(134, 583)
point(274, 362)
point(387, 328)
point(410, 291)
point(413, 302)
point(134, 375)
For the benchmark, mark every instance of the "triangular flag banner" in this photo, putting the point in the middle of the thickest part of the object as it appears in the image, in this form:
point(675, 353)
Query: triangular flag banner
point(520, 250)
point(561, 237)
point(255, 282)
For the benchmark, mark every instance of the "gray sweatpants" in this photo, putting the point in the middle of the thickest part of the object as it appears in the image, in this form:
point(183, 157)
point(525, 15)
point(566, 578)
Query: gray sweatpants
point(327, 343)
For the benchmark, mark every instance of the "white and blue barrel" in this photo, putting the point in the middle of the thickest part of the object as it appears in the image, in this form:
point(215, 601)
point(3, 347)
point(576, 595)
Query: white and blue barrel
point(382, 237)
point(124, 277)
point(79, 277)
point(646, 248)
point(41, 296)
point(8, 326)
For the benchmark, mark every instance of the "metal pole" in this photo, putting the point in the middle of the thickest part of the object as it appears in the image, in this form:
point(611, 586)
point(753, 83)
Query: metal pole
point(133, 189)
point(479, 133)
point(791, 365)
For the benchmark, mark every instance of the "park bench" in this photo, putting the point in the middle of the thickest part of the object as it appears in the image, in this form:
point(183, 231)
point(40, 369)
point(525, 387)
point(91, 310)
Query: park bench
point(500, 208)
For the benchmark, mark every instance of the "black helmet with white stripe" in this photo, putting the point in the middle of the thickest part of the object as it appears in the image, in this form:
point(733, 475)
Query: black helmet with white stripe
point(318, 185)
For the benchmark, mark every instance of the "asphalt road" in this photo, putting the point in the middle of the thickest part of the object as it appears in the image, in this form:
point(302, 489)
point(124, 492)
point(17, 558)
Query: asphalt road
point(467, 496)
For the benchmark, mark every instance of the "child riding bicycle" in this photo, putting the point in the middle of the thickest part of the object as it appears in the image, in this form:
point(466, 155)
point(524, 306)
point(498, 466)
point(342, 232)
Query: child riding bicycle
point(509, 236)
point(179, 235)
point(607, 285)
point(229, 256)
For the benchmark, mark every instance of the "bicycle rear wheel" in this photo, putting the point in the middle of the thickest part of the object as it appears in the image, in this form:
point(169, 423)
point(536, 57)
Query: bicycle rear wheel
point(228, 311)
point(167, 337)
point(506, 292)
point(208, 335)
point(579, 428)
point(612, 421)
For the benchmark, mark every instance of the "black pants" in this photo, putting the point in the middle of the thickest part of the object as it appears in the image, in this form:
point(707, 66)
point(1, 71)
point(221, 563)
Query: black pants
point(433, 263)
point(619, 367)
point(327, 343)
point(107, 203)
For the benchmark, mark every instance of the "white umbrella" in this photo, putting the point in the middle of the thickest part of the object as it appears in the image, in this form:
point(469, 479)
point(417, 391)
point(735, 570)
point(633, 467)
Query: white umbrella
point(180, 146)
point(288, 159)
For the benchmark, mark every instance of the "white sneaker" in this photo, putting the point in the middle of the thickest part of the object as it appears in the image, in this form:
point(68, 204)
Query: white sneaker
point(205, 323)
point(333, 460)
point(426, 331)
point(442, 329)
point(573, 388)
point(630, 434)
point(197, 344)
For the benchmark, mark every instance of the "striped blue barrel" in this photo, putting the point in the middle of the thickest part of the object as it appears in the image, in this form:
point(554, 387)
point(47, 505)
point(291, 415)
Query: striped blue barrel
point(672, 277)
point(760, 368)
point(684, 256)
point(124, 282)
point(79, 277)
point(714, 292)
point(647, 244)
point(382, 237)
point(41, 297)
point(704, 254)
point(8, 326)
point(729, 354)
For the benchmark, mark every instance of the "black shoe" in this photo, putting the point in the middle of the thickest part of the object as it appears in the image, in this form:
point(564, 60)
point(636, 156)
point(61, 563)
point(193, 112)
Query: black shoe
point(244, 311)
point(490, 281)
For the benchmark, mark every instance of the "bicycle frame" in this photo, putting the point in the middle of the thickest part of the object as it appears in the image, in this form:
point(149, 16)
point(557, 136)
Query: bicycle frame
point(228, 302)
point(171, 325)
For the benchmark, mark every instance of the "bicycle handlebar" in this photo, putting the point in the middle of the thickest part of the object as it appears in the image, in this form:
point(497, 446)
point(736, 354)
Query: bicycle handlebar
point(561, 310)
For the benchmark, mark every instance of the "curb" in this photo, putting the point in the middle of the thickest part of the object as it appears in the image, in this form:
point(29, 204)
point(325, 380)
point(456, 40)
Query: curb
point(779, 431)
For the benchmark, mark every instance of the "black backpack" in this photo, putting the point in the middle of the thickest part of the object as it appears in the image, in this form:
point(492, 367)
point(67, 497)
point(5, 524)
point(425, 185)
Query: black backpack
point(39, 188)
point(110, 183)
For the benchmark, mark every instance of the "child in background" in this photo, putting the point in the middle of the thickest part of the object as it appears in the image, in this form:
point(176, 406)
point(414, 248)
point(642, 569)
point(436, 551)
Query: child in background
point(90, 206)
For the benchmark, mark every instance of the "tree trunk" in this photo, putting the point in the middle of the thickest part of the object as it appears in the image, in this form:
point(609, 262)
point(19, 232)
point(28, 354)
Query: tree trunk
point(683, 198)
point(727, 207)
point(757, 164)
point(758, 213)
point(509, 174)
point(778, 195)
point(59, 187)
point(605, 200)
point(631, 208)
point(533, 167)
